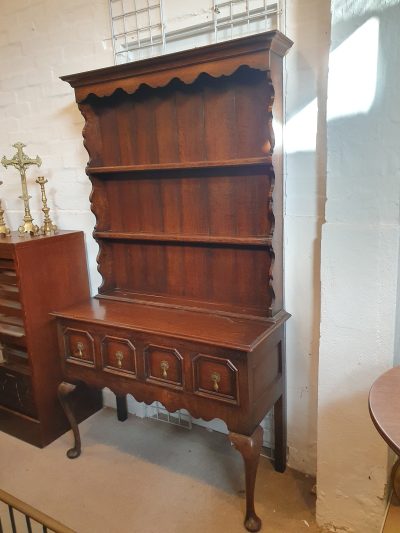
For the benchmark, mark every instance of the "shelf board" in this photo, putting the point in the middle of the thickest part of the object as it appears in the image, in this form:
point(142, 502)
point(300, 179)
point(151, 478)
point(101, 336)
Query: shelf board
point(16, 367)
point(182, 238)
point(12, 331)
point(253, 161)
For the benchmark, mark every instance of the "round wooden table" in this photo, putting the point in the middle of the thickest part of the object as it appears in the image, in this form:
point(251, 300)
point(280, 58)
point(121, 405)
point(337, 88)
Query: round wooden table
point(384, 408)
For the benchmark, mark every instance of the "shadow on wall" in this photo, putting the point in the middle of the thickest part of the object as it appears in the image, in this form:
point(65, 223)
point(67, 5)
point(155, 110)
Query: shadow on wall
point(359, 258)
point(305, 163)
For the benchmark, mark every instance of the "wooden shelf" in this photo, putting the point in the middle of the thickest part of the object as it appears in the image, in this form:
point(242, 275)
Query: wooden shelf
point(254, 161)
point(181, 238)
point(16, 367)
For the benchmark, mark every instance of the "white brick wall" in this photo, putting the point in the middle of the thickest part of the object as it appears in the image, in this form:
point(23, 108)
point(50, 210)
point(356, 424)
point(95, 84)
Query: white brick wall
point(41, 40)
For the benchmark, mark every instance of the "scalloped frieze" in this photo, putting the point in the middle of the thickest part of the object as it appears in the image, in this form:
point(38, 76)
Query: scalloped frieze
point(157, 80)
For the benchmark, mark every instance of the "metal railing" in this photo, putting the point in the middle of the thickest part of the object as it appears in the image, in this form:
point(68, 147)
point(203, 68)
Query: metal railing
point(22, 518)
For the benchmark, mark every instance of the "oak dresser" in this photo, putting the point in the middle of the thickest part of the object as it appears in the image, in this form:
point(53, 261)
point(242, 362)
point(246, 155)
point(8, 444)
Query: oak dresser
point(186, 172)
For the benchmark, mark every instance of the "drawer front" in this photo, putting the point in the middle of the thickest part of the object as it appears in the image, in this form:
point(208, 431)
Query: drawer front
point(16, 392)
point(216, 377)
point(118, 356)
point(164, 366)
point(78, 347)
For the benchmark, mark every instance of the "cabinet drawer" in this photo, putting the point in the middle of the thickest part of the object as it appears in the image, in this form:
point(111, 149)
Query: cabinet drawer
point(78, 347)
point(16, 391)
point(118, 356)
point(164, 366)
point(215, 377)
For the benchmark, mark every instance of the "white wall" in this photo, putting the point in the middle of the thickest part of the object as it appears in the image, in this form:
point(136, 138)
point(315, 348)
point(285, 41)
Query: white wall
point(359, 260)
point(308, 25)
point(41, 40)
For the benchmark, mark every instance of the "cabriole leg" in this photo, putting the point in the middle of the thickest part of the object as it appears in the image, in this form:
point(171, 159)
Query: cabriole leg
point(64, 391)
point(250, 448)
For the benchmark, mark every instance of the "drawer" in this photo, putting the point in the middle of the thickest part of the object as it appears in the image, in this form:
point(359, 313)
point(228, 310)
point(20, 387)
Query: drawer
point(118, 356)
point(16, 391)
point(215, 377)
point(78, 347)
point(164, 366)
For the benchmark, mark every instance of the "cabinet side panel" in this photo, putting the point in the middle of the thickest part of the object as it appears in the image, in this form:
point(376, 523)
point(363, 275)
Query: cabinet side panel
point(53, 275)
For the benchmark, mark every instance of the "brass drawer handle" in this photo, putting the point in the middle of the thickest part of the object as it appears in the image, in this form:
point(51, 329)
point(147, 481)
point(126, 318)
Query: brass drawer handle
point(164, 367)
point(215, 378)
point(120, 357)
point(79, 349)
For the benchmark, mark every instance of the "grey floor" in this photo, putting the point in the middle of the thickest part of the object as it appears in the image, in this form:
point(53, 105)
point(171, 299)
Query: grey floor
point(149, 477)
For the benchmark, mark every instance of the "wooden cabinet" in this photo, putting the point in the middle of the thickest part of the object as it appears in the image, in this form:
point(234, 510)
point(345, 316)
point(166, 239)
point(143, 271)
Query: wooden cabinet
point(37, 274)
point(187, 192)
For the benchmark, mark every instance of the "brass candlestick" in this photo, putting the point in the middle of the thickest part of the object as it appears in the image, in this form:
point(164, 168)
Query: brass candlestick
point(48, 227)
point(4, 229)
point(21, 161)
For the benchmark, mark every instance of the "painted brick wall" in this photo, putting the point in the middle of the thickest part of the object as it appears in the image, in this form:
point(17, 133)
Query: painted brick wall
point(41, 40)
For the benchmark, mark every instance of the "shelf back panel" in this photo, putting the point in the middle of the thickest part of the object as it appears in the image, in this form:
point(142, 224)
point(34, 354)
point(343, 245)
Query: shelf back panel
point(210, 120)
point(236, 277)
point(220, 202)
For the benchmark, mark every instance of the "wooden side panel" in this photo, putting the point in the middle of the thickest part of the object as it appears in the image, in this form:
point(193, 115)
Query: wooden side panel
point(53, 275)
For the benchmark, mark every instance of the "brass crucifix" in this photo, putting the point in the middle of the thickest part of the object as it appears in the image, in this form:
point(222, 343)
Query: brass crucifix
point(21, 161)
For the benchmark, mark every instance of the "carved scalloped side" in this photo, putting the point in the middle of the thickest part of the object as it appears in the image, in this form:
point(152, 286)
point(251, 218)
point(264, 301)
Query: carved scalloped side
point(269, 149)
point(270, 278)
point(158, 80)
point(89, 132)
point(104, 263)
point(88, 115)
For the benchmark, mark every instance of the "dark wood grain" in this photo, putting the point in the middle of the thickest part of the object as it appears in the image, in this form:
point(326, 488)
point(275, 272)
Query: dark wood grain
point(46, 276)
point(249, 448)
point(183, 170)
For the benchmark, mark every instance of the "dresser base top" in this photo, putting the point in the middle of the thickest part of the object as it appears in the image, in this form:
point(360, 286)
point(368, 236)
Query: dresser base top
point(219, 330)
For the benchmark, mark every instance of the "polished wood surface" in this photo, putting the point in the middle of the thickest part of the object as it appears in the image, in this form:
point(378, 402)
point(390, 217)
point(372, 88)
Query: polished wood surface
point(209, 328)
point(36, 275)
point(187, 194)
point(384, 407)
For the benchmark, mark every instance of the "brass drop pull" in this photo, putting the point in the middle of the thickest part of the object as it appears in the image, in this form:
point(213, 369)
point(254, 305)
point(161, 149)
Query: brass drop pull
point(164, 367)
point(119, 357)
point(215, 378)
point(79, 349)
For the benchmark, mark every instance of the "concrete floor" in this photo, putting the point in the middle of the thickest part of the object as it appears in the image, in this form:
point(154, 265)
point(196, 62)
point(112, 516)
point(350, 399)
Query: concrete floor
point(149, 477)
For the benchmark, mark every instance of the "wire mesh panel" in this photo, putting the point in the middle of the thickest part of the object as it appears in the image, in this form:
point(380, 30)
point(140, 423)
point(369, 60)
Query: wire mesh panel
point(140, 30)
point(237, 18)
point(157, 411)
point(137, 29)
